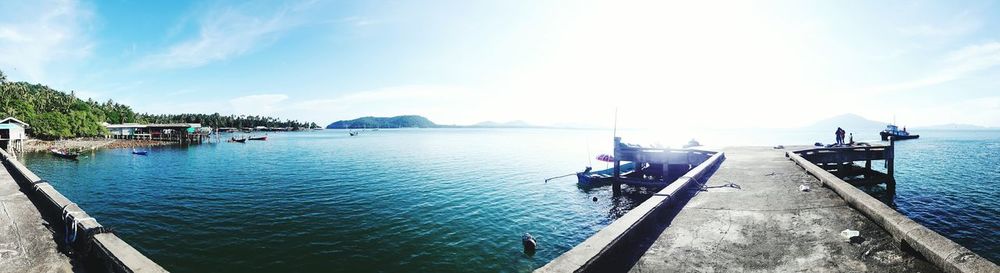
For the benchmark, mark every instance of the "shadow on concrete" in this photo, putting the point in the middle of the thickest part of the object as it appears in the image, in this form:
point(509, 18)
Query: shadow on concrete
point(624, 255)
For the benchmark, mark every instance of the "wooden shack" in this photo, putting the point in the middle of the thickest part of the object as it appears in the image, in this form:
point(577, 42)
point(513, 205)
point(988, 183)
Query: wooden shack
point(12, 135)
point(179, 132)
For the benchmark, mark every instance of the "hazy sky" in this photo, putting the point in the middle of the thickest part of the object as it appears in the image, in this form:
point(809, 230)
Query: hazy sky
point(697, 63)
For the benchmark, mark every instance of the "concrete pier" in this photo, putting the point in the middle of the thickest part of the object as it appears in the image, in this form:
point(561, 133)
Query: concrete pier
point(34, 217)
point(770, 225)
point(26, 243)
point(751, 214)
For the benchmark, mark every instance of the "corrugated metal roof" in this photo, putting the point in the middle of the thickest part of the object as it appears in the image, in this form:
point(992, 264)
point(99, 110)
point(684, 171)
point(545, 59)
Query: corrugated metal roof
point(12, 119)
point(168, 125)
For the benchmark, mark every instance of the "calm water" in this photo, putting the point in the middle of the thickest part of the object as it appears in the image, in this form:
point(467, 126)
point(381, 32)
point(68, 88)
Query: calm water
point(448, 200)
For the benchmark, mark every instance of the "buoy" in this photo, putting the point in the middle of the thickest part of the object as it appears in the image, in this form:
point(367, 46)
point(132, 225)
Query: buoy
point(595, 198)
point(529, 243)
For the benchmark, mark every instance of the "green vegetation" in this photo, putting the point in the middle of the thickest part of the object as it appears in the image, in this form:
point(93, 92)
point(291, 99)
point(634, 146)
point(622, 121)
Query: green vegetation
point(54, 114)
point(235, 121)
point(382, 122)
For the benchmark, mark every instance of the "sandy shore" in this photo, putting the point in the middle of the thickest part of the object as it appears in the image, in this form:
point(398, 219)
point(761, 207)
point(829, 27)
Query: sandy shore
point(35, 145)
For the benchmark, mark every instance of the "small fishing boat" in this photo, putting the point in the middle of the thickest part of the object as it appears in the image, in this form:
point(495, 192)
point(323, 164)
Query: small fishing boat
point(587, 178)
point(895, 133)
point(240, 140)
point(139, 152)
point(692, 143)
point(258, 138)
point(353, 133)
point(64, 154)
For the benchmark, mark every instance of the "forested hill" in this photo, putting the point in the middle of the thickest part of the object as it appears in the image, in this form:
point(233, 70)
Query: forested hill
point(384, 122)
point(53, 114)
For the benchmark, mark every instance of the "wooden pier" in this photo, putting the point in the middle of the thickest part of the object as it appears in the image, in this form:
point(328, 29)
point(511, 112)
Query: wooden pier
point(176, 132)
point(770, 210)
point(846, 162)
point(654, 167)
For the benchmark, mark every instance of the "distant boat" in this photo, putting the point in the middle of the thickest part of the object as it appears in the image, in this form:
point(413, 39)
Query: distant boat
point(139, 152)
point(692, 143)
point(258, 138)
point(240, 140)
point(353, 133)
point(64, 154)
point(587, 178)
point(895, 133)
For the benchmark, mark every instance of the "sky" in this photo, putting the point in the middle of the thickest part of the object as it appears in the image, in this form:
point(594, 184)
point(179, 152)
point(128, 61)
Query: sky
point(661, 64)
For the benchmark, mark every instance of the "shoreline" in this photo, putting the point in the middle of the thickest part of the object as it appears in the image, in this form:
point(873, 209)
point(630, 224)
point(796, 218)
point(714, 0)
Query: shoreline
point(37, 145)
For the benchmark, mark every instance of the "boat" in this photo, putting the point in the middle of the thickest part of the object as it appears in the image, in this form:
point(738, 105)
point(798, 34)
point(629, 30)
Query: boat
point(587, 178)
point(64, 154)
point(353, 133)
point(240, 140)
point(258, 138)
point(692, 143)
point(139, 152)
point(895, 133)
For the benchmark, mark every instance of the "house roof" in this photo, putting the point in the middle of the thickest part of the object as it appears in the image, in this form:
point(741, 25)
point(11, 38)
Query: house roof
point(169, 125)
point(12, 120)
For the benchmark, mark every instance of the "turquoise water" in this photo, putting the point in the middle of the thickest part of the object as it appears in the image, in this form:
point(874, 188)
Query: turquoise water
point(436, 200)
point(950, 183)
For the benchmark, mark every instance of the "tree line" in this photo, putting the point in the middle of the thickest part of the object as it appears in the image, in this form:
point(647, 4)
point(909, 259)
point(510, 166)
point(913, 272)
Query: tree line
point(53, 114)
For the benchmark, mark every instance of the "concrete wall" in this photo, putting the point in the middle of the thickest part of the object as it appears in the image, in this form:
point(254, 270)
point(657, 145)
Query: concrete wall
point(117, 255)
point(600, 251)
point(942, 252)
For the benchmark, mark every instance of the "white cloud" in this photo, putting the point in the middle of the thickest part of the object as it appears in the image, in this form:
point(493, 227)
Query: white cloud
point(359, 21)
point(959, 25)
point(955, 65)
point(264, 104)
point(225, 33)
point(35, 34)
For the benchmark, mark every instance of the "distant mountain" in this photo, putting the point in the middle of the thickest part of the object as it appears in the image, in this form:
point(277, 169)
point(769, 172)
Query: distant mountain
point(850, 122)
point(509, 124)
point(956, 126)
point(409, 121)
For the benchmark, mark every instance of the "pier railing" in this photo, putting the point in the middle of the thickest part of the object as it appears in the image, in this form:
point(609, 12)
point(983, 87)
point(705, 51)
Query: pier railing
point(942, 252)
point(116, 254)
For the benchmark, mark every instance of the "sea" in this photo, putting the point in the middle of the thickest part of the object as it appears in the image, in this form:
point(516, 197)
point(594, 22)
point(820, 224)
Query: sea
point(443, 200)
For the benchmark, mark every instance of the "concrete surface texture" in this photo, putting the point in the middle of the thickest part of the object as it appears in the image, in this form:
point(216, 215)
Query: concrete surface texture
point(770, 225)
point(26, 244)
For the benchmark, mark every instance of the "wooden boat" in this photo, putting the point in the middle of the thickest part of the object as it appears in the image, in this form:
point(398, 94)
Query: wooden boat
point(895, 133)
point(64, 154)
point(588, 178)
point(258, 138)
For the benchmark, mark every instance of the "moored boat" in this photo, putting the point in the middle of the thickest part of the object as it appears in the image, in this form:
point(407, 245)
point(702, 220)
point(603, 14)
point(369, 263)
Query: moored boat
point(240, 140)
point(139, 152)
point(63, 154)
point(587, 178)
point(895, 133)
point(258, 138)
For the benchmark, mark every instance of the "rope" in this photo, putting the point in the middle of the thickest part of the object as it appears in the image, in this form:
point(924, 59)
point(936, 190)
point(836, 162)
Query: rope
point(729, 185)
point(561, 176)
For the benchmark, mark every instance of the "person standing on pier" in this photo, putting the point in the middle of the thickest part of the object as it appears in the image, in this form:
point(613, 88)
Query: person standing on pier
point(840, 136)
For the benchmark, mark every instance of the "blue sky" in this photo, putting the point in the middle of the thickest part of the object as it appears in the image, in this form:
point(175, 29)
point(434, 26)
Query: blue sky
point(662, 63)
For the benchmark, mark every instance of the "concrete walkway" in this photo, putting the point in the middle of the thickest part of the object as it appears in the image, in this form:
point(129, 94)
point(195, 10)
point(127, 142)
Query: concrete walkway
point(26, 245)
point(770, 226)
